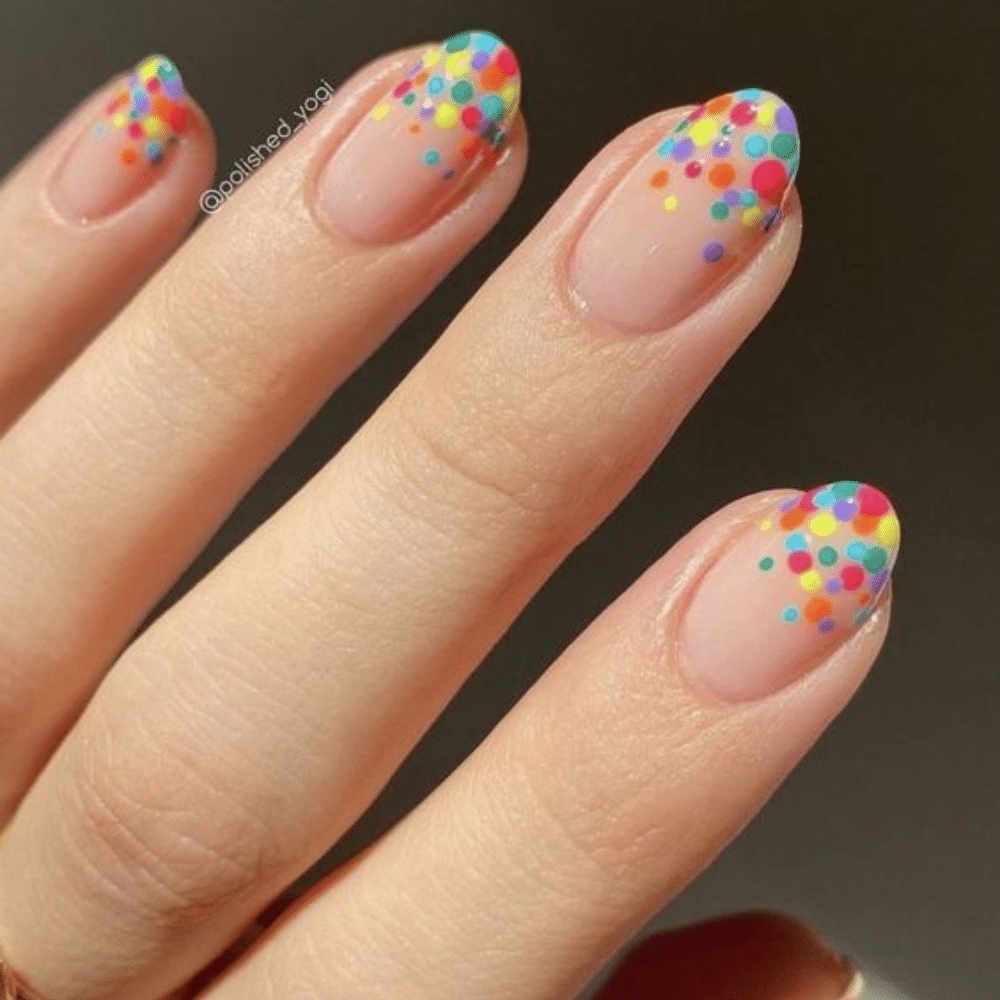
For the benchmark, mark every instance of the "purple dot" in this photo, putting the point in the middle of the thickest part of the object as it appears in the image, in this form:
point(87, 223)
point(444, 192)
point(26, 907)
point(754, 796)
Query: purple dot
point(415, 69)
point(879, 580)
point(833, 586)
point(826, 625)
point(722, 148)
point(173, 88)
point(713, 252)
point(683, 150)
point(731, 197)
point(427, 112)
point(785, 119)
point(786, 505)
point(480, 59)
point(845, 510)
point(771, 217)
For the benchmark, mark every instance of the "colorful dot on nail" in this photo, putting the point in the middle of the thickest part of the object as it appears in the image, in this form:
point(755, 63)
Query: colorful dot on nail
point(731, 197)
point(719, 210)
point(888, 530)
point(845, 510)
point(827, 625)
point(722, 175)
point(767, 524)
point(751, 94)
point(472, 117)
point(446, 116)
point(816, 609)
point(790, 614)
point(743, 114)
point(670, 203)
point(784, 145)
point(659, 179)
point(865, 524)
point(402, 88)
point(492, 106)
point(785, 119)
point(435, 85)
point(810, 581)
point(748, 198)
point(459, 64)
point(129, 157)
point(796, 542)
point(154, 152)
point(750, 217)
point(458, 42)
point(823, 525)
point(693, 169)
point(827, 555)
point(461, 93)
point(409, 99)
point(845, 489)
point(833, 585)
point(381, 110)
point(769, 180)
point(703, 131)
point(765, 113)
point(413, 128)
point(480, 59)
point(852, 577)
point(713, 252)
point(717, 105)
point(856, 550)
point(755, 146)
point(875, 559)
point(766, 563)
point(722, 148)
point(682, 150)
point(799, 562)
point(665, 148)
point(872, 501)
point(432, 157)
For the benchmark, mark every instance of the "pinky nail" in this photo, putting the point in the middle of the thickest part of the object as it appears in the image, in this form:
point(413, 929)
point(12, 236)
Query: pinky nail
point(798, 585)
point(124, 152)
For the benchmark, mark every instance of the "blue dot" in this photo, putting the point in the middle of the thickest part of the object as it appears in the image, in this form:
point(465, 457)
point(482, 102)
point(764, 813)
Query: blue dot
point(435, 85)
point(824, 498)
point(748, 198)
point(796, 542)
point(665, 148)
point(485, 42)
point(755, 146)
point(790, 614)
point(749, 94)
point(857, 550)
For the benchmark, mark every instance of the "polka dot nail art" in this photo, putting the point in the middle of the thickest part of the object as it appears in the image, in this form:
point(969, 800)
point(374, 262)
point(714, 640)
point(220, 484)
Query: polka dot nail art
point(691, 211)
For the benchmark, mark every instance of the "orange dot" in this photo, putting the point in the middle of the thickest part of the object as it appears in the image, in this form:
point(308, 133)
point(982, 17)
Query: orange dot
point(162, 107)
point(864, 598)
point(718, 104)
point(721, 175)
point(865, 524)
point(128, 157)
point(659, 179)
point(420, 78)
point(413, 127)
point(817, 608)
point(793, 518)
point(471, 146)
point(492, 77)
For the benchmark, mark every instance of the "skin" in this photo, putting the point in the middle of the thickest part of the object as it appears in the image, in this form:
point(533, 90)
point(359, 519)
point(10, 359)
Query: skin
point(251, 724)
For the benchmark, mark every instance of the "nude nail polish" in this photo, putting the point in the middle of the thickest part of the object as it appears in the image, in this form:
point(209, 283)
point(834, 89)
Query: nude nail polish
point(693, 209)
point(127, 149)
point(405, 162)
point(785, 595)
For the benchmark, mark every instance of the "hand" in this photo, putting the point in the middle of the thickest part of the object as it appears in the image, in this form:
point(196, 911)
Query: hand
point(168, 787)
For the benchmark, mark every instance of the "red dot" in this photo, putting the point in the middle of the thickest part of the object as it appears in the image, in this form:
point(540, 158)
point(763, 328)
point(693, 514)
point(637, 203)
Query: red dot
point(178, 119)
point(153, 84)
point(693, 116)
point(769, 180)
point(872, 501)
point(471, 116)
point(507, 62)
point(852, 577)
point(135, 130)
point(806, 501)
point(743, 114)
point(402, 88)
point(799, 562)
point(693, 169)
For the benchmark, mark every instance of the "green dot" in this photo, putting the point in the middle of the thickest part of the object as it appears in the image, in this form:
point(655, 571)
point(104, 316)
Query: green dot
point(827, 555)
point(462, 91)
point(457, 42)
point(875, 559)
point(410, 98)
point(766, 563)
point(719, 210)
point(784, 145)
point(431, 157)
point(845, 489)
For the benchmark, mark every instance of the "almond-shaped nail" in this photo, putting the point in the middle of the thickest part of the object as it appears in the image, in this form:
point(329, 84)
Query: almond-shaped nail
point(403, 164)
point(700, 202)
point(856, 988)
point(783, 597)
point(124, 152)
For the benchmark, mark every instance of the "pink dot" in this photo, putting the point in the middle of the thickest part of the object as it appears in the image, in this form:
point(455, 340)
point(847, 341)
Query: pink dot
point(153, 84)
point(135, 130)
point(507, 62)
point(852, 577)
point(471, 116)
point(799, 562)
point(872, 501)
point(743, 114)
point(693, 169)
point(402, 88)
point(693, 116)
point(806, 502)
point(769, 180)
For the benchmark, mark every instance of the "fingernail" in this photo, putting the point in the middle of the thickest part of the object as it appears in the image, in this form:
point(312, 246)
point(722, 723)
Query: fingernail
point(406, 161)
point(856, 989)
point(699, 203)
point(123, 153)
point(790, 591)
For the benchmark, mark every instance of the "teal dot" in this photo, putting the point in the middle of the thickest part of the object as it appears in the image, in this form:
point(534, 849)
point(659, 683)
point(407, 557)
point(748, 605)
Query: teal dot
point(410, 98)
point(492, 106)
point(681, 125)
point(432, 157)
point(719, 210)
point(857, 551)
point(875, 559)
point(748, 198)
point(845, 489)
point(755, 146)
point(827, 555)
point(457, 42)
point(665, 148)
point(462, 91)
point(790, 614)
point(728, 129)
point(766, 563)
point(784, 145)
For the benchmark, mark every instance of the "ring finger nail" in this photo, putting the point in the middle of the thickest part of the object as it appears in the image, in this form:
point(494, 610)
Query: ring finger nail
point(791, 590)
point(127, 148)
point(403, 163)
point(696, 205)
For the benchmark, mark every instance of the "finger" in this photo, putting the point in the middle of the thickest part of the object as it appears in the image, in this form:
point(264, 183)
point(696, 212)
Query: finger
point(134, 458)
point(352, 616)
point(90, 215)
point(748, 956)
point(616, 779)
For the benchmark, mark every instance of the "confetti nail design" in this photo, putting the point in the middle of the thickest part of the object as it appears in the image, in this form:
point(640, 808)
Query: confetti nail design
point(147, 114)
point(744, 148)
point(836, 545)
point(467, 87)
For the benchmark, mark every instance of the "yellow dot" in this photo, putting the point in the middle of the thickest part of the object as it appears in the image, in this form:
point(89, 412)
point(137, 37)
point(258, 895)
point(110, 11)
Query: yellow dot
point(154, 127)
point(148, 69)
point(510, 94)
point(670, 203)
point(446, 116)
point(118, 120)
point(703, 131)
point(381, 111)
point(431, 57)
point(765, 525)
point(457, 64)
point(823, 525)
point(765, 113)
point(888, 530)
point(751, 216)
point(810, 580)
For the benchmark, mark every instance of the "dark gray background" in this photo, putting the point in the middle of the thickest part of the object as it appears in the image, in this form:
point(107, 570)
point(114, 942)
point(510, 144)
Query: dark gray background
point(878, 363)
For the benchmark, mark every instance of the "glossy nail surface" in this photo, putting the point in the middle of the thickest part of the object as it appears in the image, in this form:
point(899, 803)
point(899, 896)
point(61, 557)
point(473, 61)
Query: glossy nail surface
point(694, 208)
point(790, 591)
point(402, 165)
point(123, 153)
